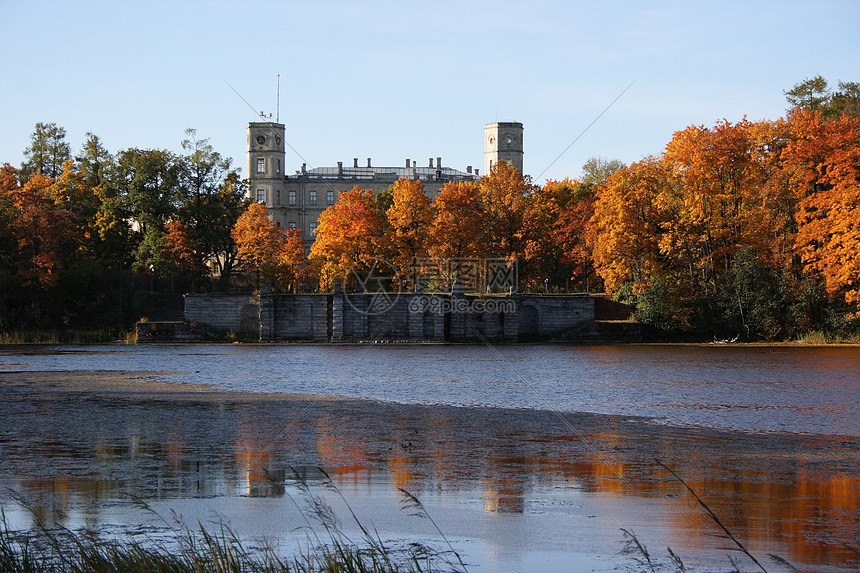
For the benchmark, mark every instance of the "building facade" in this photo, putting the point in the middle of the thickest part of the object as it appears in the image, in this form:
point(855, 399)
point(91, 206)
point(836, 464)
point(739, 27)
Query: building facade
point(296, 201)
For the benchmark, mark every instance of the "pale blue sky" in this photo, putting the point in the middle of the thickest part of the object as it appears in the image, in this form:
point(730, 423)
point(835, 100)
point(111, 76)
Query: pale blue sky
point(397, 80)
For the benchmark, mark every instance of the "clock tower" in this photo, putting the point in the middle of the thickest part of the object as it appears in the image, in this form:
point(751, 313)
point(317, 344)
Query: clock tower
point(266, 162)
point(503, 142)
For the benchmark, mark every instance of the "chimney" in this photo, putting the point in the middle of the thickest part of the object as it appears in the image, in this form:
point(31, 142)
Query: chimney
point(468, 169)
point(408, 164)
point(368, 162)
point(340, 168)
point(438, 163)
point(304, 168)
point(431, 163)
point(476, 173)
point(355, 162)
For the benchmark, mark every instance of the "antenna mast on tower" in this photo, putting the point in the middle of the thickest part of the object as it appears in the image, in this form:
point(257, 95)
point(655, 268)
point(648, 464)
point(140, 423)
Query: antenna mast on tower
point(278, 102)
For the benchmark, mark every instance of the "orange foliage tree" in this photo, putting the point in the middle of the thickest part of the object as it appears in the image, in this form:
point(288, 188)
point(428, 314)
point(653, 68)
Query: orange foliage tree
point(824, 161)
point(717, 205)
point(627, 223)
point(44, 235)
point(571, 227)
point(504, 194)
point(458, 220)
point(348, 233)
point(409, 219)
point(179, 254)
point(275, 255)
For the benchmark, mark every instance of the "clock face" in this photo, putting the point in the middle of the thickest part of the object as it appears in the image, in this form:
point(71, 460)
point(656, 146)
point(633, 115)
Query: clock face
point(277, 139)
point(491, 141)
point(509, 140)
point(261, 139)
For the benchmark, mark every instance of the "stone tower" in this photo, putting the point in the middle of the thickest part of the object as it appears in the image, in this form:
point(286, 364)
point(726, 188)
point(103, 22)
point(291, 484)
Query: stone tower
point(503, 141)
point(266, 162)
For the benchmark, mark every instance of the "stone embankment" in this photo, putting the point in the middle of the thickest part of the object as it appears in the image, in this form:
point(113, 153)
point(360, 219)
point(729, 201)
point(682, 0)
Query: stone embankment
point(396, 317)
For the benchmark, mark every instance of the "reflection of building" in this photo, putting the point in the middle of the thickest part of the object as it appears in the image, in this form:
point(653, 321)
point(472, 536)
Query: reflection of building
point(296, 201)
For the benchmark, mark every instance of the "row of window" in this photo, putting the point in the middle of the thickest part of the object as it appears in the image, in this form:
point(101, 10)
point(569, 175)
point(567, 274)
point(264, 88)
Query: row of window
point(291, 197)
point(261, 165)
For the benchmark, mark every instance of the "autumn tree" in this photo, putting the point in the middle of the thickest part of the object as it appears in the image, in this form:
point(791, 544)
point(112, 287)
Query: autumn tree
point(275, 255)
point(504, 195)
point(43, 232)
point(825, 161)
point(717, 205)
point(257, 239)
point(409, 219)
point(627, 224)
point(457, 222)
point(542, 252)
point(179, 255)
point(570, 228)
point(8, 185)
point(348, 233)
point(46, 153)
point(291, 264)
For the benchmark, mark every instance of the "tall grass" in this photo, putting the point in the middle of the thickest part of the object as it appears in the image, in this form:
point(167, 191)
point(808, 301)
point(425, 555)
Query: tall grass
point(821, 337)
point(197, 550)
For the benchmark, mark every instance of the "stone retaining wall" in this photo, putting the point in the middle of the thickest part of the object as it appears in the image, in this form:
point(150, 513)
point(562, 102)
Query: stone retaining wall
point(392, 317)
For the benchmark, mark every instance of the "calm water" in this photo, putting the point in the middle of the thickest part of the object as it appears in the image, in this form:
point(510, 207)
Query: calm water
point(520, 480)
point(800, 390)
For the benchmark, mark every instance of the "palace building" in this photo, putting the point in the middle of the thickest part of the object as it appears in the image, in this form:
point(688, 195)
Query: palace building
point(296, 201)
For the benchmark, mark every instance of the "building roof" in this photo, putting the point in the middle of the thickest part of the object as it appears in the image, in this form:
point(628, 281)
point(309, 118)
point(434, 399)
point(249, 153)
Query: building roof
point(393, 173)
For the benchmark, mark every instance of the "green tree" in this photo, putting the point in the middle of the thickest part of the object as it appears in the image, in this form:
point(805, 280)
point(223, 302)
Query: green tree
point(846, 100)
point(94, 160)
point(812, 94)
point(815, 95)
point(597, 169)
point(214, 239)
point(211, 201)
point(148, 180)
point(47, 152)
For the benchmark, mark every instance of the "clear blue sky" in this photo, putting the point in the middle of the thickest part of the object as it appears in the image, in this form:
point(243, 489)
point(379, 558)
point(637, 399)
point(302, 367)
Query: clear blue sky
point(396, 80)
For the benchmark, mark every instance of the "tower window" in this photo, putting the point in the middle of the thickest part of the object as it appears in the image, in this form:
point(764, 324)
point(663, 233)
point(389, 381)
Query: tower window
point(329, 197)
point(278, 197)
point(292, 198)
point(278, 168)
point(261, 165)
point(261, 195)
point(312, 198)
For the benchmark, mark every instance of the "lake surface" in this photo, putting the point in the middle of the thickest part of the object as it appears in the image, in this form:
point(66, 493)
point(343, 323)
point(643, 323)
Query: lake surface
point(758, 389)
point(530, 457)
